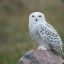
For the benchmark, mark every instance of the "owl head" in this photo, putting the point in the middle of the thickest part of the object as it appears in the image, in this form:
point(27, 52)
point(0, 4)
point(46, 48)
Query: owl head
point(36, 17)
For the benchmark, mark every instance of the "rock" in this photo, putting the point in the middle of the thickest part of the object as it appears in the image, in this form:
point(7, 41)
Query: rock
point(36, 56)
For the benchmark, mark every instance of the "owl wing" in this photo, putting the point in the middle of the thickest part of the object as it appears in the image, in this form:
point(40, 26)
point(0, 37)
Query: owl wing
point(52, 37)
point(48, 25)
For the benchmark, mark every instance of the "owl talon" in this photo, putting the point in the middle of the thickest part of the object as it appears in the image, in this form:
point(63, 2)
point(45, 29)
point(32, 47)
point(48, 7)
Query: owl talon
point(41, 48)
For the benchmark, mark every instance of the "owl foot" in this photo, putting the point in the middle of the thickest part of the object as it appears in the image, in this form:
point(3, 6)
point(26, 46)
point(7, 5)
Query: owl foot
point(41, 48)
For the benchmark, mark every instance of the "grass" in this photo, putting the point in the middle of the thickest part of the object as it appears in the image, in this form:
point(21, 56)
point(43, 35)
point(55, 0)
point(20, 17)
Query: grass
point(14, 37)
point(11, 52)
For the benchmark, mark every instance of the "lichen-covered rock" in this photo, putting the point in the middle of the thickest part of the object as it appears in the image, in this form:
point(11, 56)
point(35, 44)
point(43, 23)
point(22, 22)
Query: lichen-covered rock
point(40, 57)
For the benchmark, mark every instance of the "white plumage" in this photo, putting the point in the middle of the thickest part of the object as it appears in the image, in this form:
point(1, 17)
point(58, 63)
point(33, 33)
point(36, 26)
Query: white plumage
point(43, 33)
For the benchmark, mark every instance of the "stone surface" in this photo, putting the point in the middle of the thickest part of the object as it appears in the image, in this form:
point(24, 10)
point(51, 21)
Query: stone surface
point(36, 56)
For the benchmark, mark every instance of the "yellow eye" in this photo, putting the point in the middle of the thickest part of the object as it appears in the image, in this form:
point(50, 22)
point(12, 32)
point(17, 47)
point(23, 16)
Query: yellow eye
point(40, 16)
point(32, 15)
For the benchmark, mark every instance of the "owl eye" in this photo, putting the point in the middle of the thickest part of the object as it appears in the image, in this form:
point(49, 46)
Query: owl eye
point(32, 15)
point(40, 16)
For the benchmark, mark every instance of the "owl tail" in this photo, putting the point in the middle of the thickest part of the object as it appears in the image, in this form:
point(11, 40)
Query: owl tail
point(62, 55)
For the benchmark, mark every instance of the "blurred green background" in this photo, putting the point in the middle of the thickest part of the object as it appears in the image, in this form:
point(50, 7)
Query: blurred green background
point(14, 36)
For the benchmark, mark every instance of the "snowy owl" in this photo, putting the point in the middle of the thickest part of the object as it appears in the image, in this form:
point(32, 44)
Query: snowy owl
point(43, 33)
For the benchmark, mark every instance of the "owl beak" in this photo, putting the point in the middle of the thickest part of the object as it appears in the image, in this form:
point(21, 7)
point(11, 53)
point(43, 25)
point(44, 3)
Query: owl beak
point(36, 19)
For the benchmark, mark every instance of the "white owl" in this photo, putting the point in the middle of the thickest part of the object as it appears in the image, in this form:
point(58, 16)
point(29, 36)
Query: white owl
point(43, 33)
